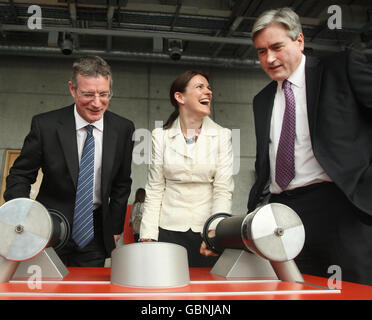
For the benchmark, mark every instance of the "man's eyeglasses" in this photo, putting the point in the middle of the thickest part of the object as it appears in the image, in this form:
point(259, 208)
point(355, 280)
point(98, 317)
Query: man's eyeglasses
point(90, 96)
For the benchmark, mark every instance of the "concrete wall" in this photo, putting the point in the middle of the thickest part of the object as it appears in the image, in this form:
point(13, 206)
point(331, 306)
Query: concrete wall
point(30, 85)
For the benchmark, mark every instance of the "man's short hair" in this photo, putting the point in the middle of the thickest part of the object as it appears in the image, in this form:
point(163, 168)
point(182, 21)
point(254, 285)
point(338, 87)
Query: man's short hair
point(90, 66)
point(284, 16)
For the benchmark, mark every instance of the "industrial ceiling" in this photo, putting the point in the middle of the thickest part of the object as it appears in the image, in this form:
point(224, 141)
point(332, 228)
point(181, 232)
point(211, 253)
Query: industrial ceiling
point(208, 32)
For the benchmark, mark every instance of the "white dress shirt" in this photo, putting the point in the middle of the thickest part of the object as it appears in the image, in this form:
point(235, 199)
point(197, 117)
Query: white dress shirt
point(307, 168)
point(81, 134)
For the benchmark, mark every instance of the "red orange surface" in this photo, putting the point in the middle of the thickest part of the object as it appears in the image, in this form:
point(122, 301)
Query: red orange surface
point(94, 283)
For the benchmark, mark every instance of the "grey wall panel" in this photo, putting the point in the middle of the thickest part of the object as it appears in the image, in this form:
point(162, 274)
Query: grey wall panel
point(31, 85)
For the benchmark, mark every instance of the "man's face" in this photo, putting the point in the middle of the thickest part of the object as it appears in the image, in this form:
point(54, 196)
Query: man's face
point(91, 96)
point(278, 53)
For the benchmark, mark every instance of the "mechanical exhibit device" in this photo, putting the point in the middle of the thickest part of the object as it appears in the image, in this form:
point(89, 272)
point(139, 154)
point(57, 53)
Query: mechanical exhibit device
point(29, 236)
point(150, 265)
point(260, 244)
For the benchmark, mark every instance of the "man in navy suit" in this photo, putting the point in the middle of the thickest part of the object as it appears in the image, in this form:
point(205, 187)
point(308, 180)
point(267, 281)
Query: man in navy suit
point(329, 171)
point(55, 145)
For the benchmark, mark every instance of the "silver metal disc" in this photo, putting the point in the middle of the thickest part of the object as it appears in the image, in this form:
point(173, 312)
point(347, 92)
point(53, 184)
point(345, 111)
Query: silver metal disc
point(25, 229)
point(277, 232)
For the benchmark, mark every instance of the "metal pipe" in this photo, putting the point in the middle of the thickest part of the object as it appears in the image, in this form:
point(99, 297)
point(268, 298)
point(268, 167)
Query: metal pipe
point(287, 271)
point(166, 35)
point(131, 33)
point(7, 269)
point(131, 56)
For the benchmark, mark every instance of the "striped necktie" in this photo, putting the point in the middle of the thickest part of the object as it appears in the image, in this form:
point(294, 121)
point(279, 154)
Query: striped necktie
point(285, 157)
point(82, 228)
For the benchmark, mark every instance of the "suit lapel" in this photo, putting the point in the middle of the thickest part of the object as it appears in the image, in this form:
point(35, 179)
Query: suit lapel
point(263, 110)
point(178, 145)
point(205, 142)
point(313, 73)
point(110, 138)
point(177, 141)
point(67, 135)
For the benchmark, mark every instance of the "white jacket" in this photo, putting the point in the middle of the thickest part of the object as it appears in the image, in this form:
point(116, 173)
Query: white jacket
point(186, 185)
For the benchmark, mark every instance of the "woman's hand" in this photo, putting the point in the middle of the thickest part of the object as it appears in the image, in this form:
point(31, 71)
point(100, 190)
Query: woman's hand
point(116, 239)
point(203, 248)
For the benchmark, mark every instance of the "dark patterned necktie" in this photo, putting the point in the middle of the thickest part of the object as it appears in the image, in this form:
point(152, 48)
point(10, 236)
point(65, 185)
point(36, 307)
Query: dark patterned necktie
point(285, 162)
point(82, 228)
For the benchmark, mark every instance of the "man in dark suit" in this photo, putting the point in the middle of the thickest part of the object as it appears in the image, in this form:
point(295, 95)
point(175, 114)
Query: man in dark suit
point(56, 144)
point(314, 131)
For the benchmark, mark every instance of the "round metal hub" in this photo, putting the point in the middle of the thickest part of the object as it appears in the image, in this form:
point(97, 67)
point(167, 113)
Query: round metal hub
point(274, 232)
point(19, 228)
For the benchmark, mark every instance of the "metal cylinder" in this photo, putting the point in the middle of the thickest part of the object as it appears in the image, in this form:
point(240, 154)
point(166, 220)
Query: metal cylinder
point(150, 264)
point(287, 271)
point(7, 269)
point(61, 230)
point(228, 233)
point(274, 232)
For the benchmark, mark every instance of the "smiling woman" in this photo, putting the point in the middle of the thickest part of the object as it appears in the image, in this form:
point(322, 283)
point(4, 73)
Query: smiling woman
point(194, 104)
point(191, 95)
point(190, 176)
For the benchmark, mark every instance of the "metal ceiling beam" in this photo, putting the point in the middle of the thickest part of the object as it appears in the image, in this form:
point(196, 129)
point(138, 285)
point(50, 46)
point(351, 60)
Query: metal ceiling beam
point(253, 7)
point(131, 33)
point(72, 11)
point(176, 15)
point(131, 56)
point(13, 10)
point(165, 35)
point(73, 16)
point(121, 4)
point(238, 11)
point(245, 52)
point(235, 24)
point(110, 14)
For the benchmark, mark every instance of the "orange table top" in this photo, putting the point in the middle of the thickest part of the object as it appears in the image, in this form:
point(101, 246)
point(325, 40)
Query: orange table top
point(94, 284)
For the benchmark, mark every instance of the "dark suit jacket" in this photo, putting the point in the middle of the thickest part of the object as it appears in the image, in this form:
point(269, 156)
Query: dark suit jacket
point(339, 106)
point(51, 145)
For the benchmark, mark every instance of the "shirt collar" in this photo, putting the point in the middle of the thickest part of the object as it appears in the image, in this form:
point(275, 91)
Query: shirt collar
point(81, 123)
point(297, 78)
point(208, 127)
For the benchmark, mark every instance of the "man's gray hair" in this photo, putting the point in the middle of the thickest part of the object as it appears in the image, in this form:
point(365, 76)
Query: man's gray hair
point(284, 16)
point(90, 66)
